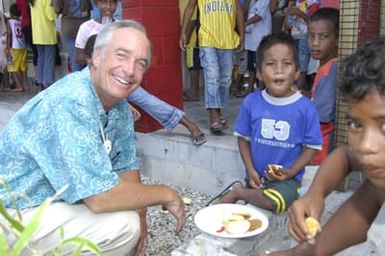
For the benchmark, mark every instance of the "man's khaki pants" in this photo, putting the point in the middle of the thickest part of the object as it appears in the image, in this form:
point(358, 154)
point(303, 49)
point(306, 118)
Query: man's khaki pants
point(115, 233)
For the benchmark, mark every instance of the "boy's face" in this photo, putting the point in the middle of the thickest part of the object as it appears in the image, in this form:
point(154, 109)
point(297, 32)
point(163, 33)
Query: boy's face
point(366, 135)
point(278, 70)
point(106, 7)
point(322, 40)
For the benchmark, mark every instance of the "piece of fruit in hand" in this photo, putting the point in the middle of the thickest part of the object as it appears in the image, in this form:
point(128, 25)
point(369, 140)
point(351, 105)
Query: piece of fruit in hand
point(276, 169)
point(313, 225)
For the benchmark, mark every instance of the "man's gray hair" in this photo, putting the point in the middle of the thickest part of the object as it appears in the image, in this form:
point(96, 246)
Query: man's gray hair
point(105, 35)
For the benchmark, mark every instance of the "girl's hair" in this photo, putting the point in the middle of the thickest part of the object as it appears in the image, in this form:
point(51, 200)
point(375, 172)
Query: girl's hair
point(105, 34)
point(328, 13)
point(363, 71)
point(274, 39)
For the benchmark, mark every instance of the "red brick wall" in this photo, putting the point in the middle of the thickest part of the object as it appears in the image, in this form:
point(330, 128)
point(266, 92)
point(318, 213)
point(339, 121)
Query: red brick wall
point(164, 78)
point(330, 3)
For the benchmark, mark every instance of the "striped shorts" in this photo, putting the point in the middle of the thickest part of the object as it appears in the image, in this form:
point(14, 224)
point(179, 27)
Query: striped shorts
point(281, 193)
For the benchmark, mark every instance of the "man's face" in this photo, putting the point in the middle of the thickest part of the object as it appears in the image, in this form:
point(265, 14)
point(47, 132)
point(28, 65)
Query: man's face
point(366, 134)
point(322, 40)
point(118, 69)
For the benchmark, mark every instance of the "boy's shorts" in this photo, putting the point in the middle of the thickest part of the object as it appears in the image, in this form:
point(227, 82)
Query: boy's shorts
point(192, 58)
point(19, 60)
point(281, 193)
point(251, 60)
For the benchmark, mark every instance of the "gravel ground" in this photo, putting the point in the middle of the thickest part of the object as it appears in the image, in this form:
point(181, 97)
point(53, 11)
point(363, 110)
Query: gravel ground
point(162, 239)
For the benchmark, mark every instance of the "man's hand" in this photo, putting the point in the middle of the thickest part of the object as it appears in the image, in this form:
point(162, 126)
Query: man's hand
point(310, 205)
point(142, 243)
point(176, 208)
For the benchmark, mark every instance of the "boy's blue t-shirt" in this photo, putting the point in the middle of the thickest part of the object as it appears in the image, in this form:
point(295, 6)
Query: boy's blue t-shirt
point(278, 129)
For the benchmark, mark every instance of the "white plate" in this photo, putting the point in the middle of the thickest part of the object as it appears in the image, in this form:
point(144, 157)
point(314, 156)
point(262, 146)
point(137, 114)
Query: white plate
point(210, 219)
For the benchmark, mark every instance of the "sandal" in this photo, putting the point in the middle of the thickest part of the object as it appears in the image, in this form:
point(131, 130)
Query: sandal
point(216, 128)
point(198, 139)
point(223, 121)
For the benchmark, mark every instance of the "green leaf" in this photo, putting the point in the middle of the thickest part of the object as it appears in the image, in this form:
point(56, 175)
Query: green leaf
point(15, 223)
point(82, 244)
point(4, 247)
point(31, 227)
point(11, 196)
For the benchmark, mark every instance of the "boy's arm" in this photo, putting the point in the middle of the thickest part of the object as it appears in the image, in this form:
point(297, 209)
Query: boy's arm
point(253, 20)
point(190, 28)
point(273, 5)
point(331, 172)
point(305, 157)
point(285, 26)
point(57, 5)
point(188, 12)
point(348, 226)
point(244, 150)
point(8, 33)
point(240, 25)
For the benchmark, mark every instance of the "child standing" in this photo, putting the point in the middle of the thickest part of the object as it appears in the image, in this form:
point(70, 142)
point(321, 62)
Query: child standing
point(257, 25)
point(298, 13)
point(275, 126)
point(361, 217)
point(3, 57)
point(17, 50)
point(323, 43)
point(192, 55)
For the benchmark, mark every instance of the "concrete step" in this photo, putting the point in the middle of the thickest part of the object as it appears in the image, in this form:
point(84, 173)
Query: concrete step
point(171, 157)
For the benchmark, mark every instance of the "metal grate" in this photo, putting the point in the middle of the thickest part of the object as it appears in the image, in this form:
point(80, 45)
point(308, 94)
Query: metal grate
point(360, 21)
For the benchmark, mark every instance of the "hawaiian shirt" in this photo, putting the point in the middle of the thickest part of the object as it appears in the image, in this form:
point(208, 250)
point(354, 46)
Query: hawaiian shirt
point(57, 139)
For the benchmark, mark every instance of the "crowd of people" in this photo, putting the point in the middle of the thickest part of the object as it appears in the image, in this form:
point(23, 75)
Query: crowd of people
point(83, 144)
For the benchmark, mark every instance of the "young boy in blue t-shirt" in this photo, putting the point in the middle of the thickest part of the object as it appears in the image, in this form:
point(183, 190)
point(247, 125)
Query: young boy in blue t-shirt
point(361, 218)
point(275, 126)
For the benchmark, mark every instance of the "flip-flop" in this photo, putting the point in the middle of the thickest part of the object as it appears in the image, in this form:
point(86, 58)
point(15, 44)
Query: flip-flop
point(198, 140)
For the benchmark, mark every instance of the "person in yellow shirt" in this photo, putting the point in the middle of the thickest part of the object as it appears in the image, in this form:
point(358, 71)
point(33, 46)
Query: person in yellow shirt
point(44, 36)
point(220, 31)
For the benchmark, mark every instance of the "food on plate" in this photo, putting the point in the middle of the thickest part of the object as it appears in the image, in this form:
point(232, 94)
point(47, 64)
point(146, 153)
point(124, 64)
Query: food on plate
point(236, 227)
point(313, 225)
point(245, 215)
point(276, 169)
point(255, 224)
point(236, 223)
